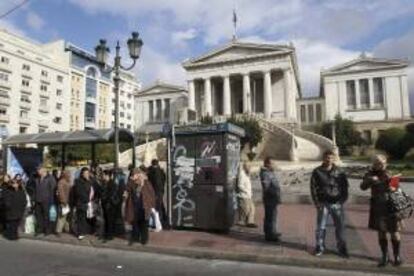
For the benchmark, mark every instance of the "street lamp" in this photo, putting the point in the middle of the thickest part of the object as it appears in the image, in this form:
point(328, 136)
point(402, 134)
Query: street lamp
point(102, 52)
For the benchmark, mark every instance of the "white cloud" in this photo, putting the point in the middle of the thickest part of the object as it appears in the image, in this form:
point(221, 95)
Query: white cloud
point(181, 38)
point(154, 65)
point(12, 28)
point(34, 21)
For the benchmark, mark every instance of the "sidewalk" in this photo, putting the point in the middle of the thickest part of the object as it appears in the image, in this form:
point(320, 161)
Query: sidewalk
point(297, 224)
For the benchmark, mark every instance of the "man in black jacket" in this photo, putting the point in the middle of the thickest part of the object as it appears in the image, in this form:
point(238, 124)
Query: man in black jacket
point(157, 177)
point(329, 189)
point(44, 198)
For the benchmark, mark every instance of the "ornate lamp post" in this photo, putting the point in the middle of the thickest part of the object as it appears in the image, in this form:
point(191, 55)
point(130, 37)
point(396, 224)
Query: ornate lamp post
point(102, 51)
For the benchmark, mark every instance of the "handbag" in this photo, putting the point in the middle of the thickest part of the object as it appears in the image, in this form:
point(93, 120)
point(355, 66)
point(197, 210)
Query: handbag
point(400, 204)
point(155, 222)
point(29, 224)
point(52, 213)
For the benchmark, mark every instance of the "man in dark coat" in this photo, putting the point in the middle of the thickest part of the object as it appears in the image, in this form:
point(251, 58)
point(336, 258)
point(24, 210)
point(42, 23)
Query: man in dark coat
point(15, 205)
point(271, 199)
point(157, 177)
point(44, 198)
point(329, 189)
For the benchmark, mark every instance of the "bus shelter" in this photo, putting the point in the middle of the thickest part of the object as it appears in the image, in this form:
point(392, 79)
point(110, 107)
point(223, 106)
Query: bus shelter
point(92, 137)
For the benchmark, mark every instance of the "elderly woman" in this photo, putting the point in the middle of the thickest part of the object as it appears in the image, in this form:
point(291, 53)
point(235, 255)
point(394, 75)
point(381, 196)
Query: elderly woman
point(380, 219)
point(140, 199)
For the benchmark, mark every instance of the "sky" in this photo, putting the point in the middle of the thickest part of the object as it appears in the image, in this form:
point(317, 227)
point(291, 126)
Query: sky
point(324, 32)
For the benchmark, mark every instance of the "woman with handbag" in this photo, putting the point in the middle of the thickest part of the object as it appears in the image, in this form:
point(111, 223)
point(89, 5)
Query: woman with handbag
point(380, 218)
point(63, 190)
point(15, 204)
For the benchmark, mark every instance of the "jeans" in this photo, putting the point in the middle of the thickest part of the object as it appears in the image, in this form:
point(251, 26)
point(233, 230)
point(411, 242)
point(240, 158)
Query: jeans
point(270, 218)
point(336, 211)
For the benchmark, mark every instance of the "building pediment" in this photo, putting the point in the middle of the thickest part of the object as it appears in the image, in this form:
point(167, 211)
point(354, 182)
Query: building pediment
point(366, 64)
point(160, 88)
point(238, 51)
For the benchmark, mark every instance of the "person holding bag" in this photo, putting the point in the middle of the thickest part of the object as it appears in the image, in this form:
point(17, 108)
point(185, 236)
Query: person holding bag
point(15, 204)
point(381, 219)
point(83, 193)
point(63, 190)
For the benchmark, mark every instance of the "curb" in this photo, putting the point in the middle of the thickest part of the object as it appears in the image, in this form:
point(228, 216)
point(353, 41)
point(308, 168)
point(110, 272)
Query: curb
point(307, 199)
point(311, 262)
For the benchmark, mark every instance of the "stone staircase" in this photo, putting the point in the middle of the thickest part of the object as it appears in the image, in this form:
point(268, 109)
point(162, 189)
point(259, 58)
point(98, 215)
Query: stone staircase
point(144, 153)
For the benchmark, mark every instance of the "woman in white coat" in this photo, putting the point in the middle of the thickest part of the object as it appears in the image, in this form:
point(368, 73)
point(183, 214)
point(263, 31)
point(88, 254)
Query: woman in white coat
point(244, 196)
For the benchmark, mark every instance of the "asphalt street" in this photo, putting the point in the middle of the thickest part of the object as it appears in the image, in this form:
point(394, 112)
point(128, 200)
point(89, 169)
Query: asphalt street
point(40, 258)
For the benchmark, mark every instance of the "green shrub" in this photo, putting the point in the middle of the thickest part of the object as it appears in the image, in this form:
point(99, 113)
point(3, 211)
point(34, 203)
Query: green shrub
point(394, 142)
point(254, 133)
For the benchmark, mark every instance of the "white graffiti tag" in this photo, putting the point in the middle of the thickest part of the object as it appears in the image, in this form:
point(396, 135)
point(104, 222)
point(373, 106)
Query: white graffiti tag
point(184, 171)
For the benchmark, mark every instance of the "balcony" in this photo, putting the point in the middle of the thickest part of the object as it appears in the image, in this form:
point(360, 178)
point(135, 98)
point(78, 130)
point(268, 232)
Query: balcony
point(24, 121)
point(5, 101)
point(45, 78)
point(26, 105)
point(44, 94)
point(5, 83)
point(90, 122)
point(4, 118)
point(5, 66)
point(43, 108)
point(28, 74)
point(27, 90)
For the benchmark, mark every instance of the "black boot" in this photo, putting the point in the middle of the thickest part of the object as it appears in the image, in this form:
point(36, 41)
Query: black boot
point(384, 249)
point(396, 244)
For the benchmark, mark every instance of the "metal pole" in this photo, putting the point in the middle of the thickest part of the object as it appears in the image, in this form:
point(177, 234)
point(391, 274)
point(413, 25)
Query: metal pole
point(63, 157)
point(116, 83)
point(170, 147)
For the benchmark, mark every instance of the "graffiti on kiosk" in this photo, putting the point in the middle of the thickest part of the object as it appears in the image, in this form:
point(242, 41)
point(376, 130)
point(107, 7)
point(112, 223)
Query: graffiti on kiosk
point(184, 171)
point(208, 156)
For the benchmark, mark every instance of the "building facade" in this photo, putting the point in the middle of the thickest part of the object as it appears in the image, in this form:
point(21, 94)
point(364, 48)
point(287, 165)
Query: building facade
point(157, 104)
point(244, 78)
point(34, 86)
point(92, 93)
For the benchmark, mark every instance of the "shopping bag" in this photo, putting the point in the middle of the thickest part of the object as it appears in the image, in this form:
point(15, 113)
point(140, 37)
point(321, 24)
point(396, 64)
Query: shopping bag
point(65, 210)
point(90, 212)
point(52, 213)
point(156, 223)
point(29, 224)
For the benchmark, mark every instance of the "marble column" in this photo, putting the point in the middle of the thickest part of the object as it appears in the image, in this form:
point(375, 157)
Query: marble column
point(191, 95)
point(162, 117)
point(267, 94)
point(371, 92)
point(207, 97)
point(357, 95)
point(287, 77)
point(247, 108)
point(226, 96)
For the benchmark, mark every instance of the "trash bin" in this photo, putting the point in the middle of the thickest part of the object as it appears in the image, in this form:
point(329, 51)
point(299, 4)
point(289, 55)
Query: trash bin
point(205, 162)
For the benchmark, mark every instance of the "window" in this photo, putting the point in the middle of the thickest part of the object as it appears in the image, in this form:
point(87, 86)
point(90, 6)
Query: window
point(151, 111)
point(3, 111)
point(4, 76)
point(5, 60)
point(91, 72)
point(59, 78)
point(59, 92)
point(90, 110)
point(303, 113)
point(25, 99)
point(366, 135)
point(23, 114)
point(310, 113)
point(4, 94)
point(378, 92)
point(128, 126)
point(129, 95)
point(122, 114)
point(43, 87)
point(167, 109)
point(57, 120)
point(318, 112)
point(159, 110)
point(350, 94)
point(129, 106)
point(122, 125)
point(44, 73)
point(23, 129)
point(90, 87)
point(26, 67)
point(25, 82)
point(42, 129)
point(129, 116)
point(59, 106)
point(364, 93)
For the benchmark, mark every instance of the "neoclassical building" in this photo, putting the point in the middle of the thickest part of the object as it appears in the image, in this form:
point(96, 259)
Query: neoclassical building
point(241, 78)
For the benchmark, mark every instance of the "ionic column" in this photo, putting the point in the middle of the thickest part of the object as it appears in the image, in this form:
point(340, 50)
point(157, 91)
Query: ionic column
point(267, 94)
point(357, 95)
point(371, 92)
point(207, 97)
point(162, 117)
point(247, 108)
point(226, 96)
point(287, 76)
point(191, 95)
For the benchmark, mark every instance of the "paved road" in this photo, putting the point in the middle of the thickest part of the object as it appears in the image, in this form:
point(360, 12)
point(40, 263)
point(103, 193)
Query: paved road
point(37, 258)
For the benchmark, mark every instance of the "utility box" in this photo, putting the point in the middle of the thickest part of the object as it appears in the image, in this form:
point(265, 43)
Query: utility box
point(204, 164)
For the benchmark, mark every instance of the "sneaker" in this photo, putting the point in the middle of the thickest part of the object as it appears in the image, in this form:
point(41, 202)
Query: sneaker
point(318, 251)
point(80, 237)
point(343, 253)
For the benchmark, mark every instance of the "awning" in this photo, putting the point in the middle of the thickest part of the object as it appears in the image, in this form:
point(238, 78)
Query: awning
point(71, 137)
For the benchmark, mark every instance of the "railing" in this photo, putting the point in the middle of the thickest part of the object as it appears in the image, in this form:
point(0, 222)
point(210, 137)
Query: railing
point(316, 138)
point(5, 101)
